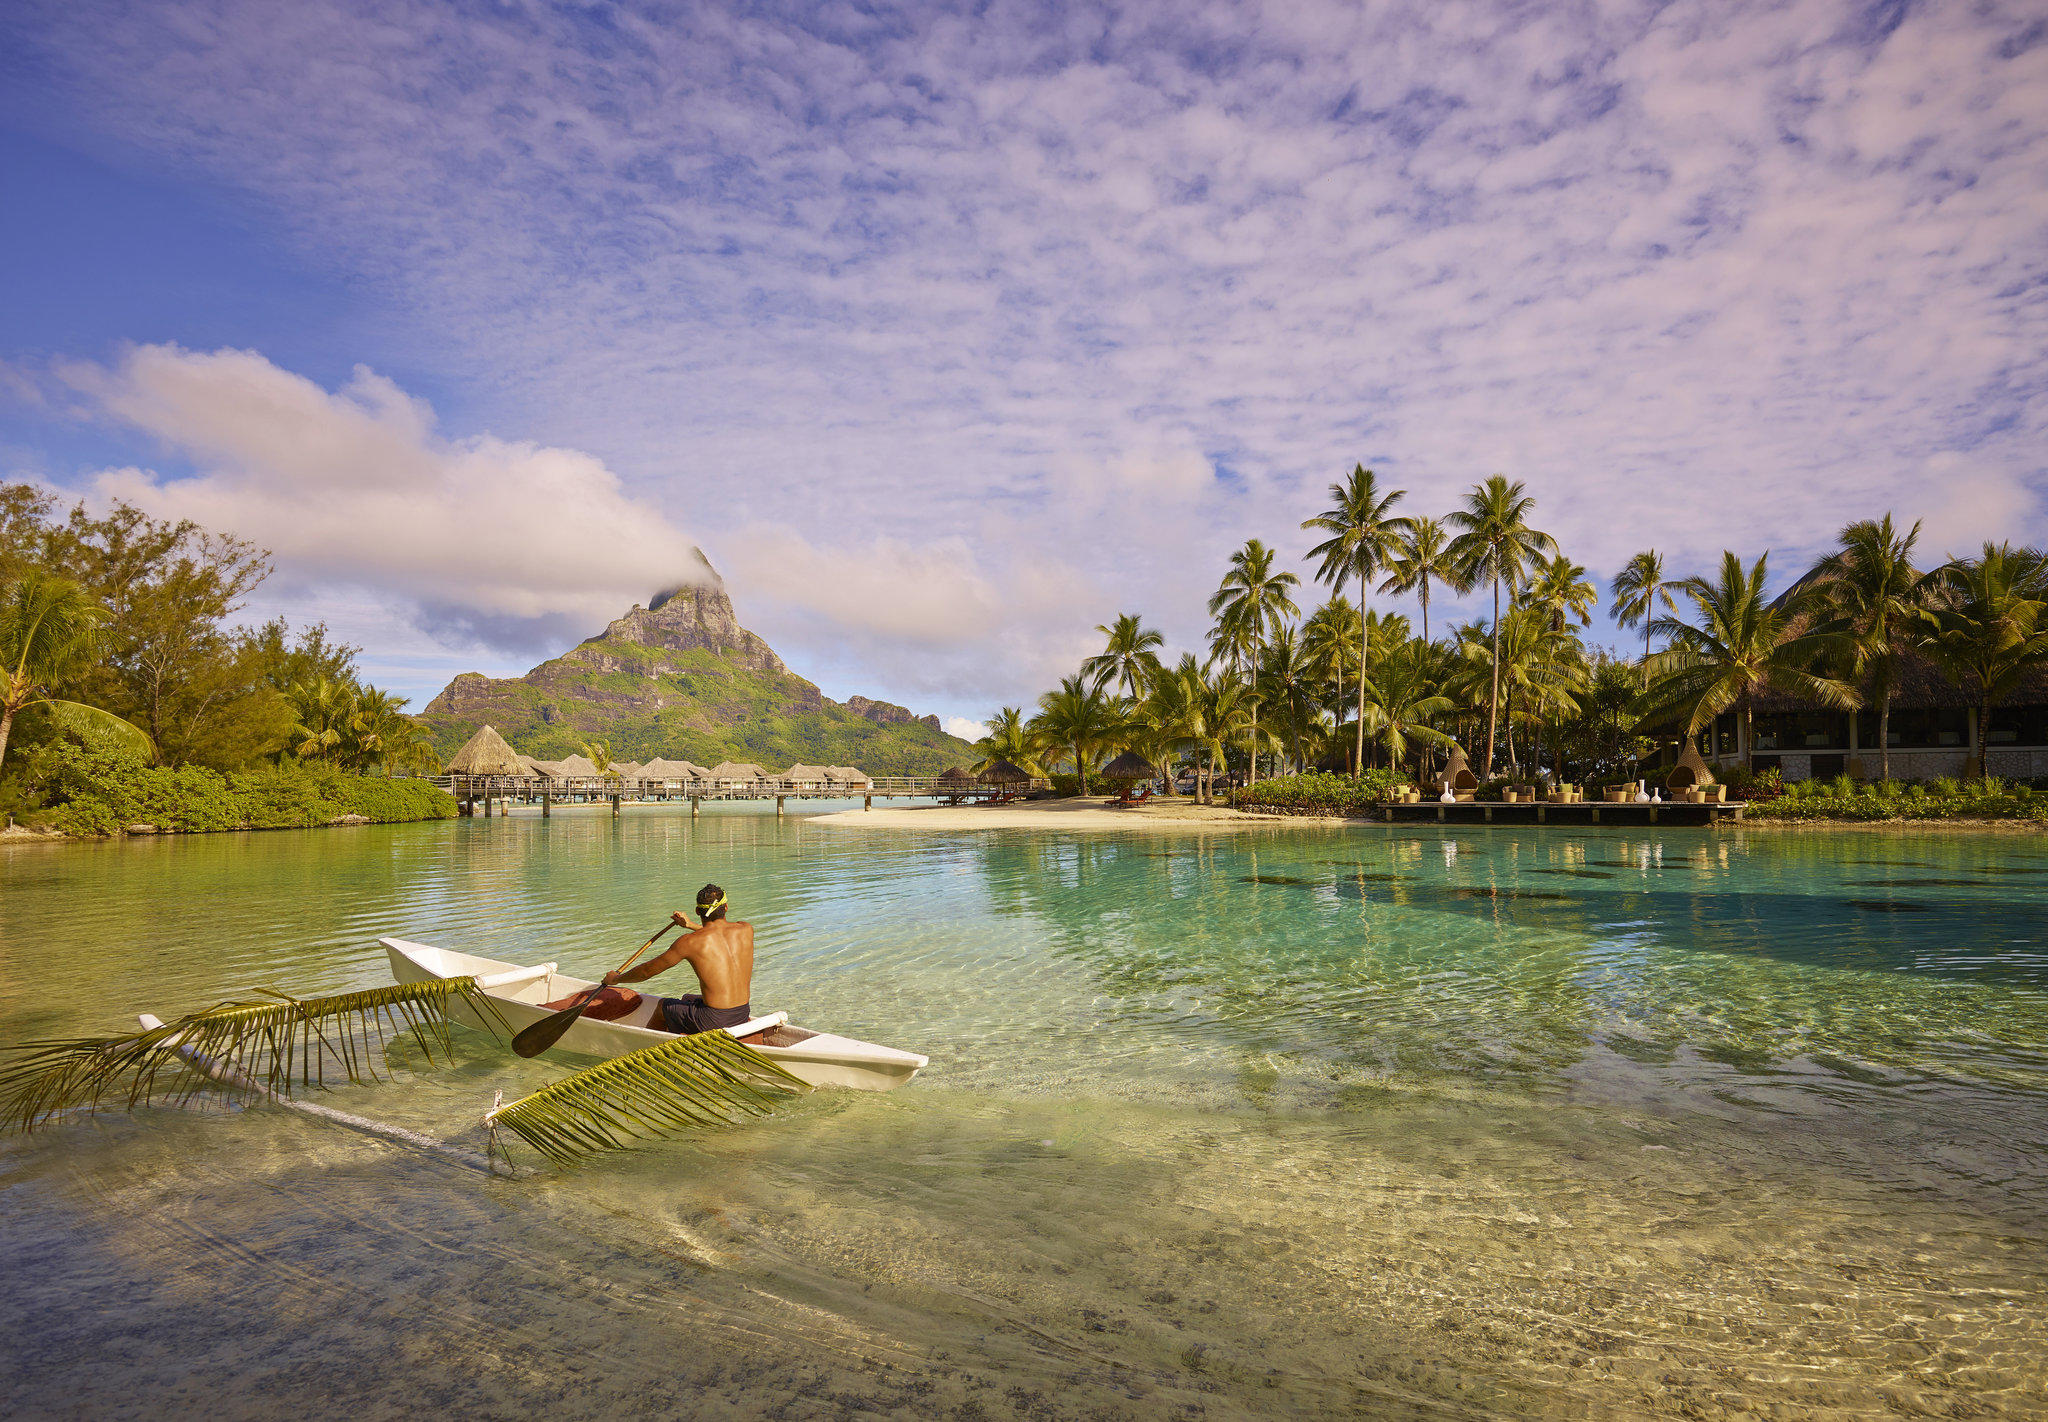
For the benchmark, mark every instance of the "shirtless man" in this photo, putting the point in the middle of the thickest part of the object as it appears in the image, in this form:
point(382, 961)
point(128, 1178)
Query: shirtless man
point(721, 951)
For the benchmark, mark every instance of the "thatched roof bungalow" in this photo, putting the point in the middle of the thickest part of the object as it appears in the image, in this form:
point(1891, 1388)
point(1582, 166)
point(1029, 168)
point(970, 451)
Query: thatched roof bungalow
point(486, 753)
point(806, 777)
point(1004, 772)
point(851, 776)
point(1130, 766)
point(735, 773)
point(660, 771)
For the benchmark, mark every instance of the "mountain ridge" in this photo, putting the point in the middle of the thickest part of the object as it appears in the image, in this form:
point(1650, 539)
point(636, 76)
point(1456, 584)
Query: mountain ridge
point(682, 677)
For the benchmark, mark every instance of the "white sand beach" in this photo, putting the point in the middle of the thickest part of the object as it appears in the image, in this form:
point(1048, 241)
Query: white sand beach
point(1082, 812)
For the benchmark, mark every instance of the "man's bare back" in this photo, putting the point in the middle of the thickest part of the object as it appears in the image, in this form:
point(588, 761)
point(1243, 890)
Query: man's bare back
point(720, 951)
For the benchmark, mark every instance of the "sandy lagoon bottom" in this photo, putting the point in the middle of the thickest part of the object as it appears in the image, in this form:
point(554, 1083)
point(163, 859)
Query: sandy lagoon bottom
point(1208, 1133)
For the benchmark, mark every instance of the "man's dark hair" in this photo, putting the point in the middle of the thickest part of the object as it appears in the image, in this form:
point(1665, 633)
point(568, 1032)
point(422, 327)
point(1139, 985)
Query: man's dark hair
point(707, 896)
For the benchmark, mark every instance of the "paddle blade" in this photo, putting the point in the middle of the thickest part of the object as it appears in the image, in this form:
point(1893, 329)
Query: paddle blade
point(532, 1041)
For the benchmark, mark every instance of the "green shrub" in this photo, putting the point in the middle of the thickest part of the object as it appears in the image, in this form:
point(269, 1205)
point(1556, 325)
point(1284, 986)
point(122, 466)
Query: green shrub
point(1943, 787)
point(83, 786)
point(1321, 793)
point(1843, 786)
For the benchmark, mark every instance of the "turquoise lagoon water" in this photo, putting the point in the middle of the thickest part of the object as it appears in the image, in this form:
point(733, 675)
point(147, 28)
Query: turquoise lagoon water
point(1222, 1123)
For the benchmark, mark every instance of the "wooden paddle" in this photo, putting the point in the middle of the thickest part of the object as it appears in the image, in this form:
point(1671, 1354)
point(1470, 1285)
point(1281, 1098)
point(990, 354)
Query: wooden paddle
point(534, 1040)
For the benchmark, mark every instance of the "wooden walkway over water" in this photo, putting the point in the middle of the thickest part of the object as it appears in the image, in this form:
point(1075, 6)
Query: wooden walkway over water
point(472, 791)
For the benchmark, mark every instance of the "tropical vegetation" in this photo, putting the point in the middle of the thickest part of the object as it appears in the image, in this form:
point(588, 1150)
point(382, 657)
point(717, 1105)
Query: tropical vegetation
point(121, 655)
point(1334, 710)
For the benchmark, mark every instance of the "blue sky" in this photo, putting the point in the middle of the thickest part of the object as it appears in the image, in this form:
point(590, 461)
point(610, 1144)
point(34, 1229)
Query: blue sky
point(950, 332)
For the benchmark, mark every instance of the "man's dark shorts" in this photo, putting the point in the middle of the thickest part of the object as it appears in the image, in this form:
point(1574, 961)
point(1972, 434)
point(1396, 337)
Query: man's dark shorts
point(688, 1014)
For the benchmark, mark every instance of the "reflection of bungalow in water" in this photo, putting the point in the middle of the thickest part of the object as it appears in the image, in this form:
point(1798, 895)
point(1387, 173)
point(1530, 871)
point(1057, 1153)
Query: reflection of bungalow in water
point(1933, 732)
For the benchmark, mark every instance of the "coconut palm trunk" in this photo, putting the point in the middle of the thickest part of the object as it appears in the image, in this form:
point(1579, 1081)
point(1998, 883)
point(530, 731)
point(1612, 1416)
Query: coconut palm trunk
point(1364, 658)
point(1493, 700)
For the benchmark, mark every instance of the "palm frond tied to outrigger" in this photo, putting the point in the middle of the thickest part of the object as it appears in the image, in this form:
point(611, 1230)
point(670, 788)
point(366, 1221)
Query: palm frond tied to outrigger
point(672, 1064)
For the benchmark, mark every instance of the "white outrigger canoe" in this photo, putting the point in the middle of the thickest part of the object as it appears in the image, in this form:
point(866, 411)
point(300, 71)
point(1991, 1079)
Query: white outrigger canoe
point(519, 994)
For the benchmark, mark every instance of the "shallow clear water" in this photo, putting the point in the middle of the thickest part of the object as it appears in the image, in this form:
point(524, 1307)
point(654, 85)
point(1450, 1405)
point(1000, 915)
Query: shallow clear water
point(1486, 1122)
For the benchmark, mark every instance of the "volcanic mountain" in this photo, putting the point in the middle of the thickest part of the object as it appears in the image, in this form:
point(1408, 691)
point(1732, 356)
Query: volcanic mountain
point(681, 678)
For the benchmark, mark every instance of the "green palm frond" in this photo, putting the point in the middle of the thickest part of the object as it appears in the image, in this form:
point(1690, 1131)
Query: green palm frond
point(708, 1079)
point(271, 1041)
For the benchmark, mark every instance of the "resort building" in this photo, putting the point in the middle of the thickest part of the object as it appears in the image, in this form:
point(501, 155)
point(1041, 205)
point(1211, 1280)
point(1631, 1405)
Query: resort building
point(1934, 732)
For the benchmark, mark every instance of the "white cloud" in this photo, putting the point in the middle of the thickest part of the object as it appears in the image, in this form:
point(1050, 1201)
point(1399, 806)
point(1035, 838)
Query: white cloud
point(520, 543)
point(965, 729)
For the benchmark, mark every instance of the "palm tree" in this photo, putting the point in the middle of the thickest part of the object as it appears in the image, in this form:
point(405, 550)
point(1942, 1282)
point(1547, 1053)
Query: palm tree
point(1561, 591)
point(1009, 738)
point(1331, 638)
point(1423, 557)
point(1287, 684)
point(1224, 710)
point(1364, 536)
point(50, 629)
point(324, 709)
point(1994, 628)
point(1495, 542)
point(1742, 646)
point(599, 754)
point(1130, 658)
point(1402, 704)
point(1252, 601)
point(1076, 718)
point(1636, 590)
point(377, 729)
point(1172, 709)
point(1873, 597)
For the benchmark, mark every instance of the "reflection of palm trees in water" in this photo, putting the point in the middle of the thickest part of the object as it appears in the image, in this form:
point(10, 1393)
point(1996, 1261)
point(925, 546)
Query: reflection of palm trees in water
point(1169, 932)
point(1487, 956)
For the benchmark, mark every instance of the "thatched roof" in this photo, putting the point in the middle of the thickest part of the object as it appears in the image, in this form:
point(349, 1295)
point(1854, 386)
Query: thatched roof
point(1690, 771)
point(660, 769)
point(570, 767)
point(848, 774)
point(954, 775)
point(486, 753)
point(738, 770)
point(800, 771)
point(625, 769)
point(1003, 772)
point(1129, 766)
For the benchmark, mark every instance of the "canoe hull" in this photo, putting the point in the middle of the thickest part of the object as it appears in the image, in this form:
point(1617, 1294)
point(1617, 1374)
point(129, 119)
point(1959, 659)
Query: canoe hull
point(821, 1059)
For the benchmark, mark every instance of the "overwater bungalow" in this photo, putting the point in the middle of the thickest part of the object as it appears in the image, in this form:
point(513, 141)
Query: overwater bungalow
point(849, 777)
point(737, 774)
point(486, 754)
point(806, 777)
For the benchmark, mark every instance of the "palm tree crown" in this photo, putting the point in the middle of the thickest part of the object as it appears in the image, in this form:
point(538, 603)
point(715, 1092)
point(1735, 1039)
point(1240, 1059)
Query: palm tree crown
point(1496, 542)
point(1252, 602)
point(1874, 599)
point(1993, 628)
point(1364, 537)
point(50, 629)
point(1130, 658)
point(1424, 557)
point(1637, 589)
point(1743, 645)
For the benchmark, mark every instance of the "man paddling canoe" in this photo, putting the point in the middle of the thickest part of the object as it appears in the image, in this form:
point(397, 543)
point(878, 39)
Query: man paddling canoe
point(722, 953)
